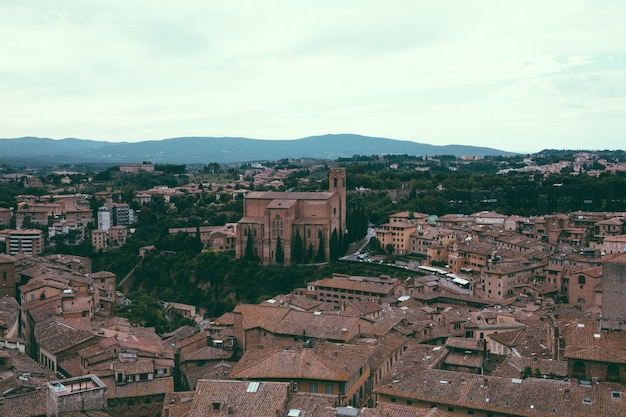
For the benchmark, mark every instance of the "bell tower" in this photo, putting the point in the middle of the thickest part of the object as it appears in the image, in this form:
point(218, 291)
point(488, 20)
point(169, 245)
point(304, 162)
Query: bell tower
point(337, 185)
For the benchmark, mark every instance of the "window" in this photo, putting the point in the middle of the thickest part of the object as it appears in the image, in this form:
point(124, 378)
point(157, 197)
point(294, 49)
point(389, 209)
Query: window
point(313, 387)
point(393, 399)
point(330, 389)
point(581, 279)
point(612, 373)
point(579, 370)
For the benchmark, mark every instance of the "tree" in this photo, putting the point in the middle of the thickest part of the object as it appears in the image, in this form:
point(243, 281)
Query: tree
point(280, 254)
point(321, 255)
point(374, 244)
point(249, 255)
point(334, 246)
point(297, 251)
point(309, 254)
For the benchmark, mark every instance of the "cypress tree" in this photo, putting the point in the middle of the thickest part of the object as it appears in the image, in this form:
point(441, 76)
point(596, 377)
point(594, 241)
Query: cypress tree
point(321, 256)
point(249, 255)
point(280, 254)
point(297, 252)
point(334, 246)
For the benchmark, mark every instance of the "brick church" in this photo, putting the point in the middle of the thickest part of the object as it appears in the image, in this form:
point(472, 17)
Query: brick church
point(272, 217)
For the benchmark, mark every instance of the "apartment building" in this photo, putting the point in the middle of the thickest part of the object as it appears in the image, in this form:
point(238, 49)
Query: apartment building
point(26, 241)
point(434, 242)
point(334, 369)
point(217, 238)
point(115, 214)
point(99, 240)
point(6, 215)
point(8, 278)
point(614, 293)
point(396, 234)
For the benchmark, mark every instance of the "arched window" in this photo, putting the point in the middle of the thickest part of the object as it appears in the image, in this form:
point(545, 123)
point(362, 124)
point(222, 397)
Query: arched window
point(579, 370)
point(612, 373)
point(335, 182)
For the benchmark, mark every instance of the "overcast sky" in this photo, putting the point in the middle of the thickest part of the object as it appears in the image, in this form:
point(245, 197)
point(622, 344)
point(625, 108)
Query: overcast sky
point(516, 75)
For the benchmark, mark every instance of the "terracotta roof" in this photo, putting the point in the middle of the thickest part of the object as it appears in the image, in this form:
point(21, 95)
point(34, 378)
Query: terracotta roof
point(226, 319)
point(194, 338)
point(614, 221)
point(470, 360)
point(596, 354)
point(57, 337)
point(320, 326)
point(464, 343)
point(139, 388)
point(260, 316)
point(33, 404)
point(510, 339)
point(395, 410)
point(528, 397)
point(178, 404)
point(356, 284)
point(327, 362)
point(617, 258)
point(512, 367)
point(209, 353)
point(239, 398)
point(318, 405)
point(274, 195)
point(140, 366)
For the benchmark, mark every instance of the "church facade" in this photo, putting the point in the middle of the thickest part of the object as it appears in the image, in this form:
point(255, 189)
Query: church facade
point(273, 223)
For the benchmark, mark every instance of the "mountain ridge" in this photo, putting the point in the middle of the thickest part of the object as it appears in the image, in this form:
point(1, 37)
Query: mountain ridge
point(200, 149)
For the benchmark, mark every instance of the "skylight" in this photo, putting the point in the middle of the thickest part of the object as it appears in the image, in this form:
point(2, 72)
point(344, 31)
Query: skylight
point(253, 387)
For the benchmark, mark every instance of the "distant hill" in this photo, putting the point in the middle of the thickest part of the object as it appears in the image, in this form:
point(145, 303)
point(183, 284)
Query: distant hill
point(203, 150)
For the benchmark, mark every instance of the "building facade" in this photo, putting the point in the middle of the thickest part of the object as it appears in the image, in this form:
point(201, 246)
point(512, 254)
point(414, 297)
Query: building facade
point(273, 221)
point(27, 241)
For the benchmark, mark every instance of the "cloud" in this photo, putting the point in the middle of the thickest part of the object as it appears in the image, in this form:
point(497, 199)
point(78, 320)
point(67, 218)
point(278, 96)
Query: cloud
point(444, 72)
